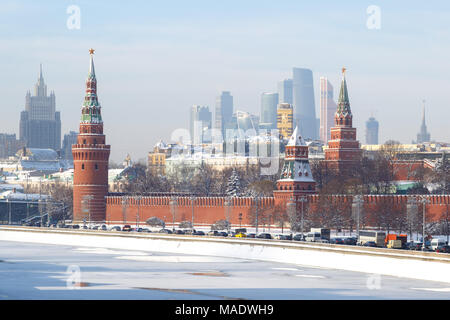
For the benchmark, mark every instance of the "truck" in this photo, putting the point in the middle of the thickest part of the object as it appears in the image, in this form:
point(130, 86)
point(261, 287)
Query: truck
point(392, 236)
point(394, 244)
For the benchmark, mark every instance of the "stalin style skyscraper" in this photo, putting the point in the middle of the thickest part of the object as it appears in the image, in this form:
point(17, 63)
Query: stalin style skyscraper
point(90, 156)
point(40, 123)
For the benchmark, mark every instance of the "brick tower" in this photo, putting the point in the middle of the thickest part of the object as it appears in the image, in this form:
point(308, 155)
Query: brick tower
point(90, 158)
point(296, 177)
point(343, 152)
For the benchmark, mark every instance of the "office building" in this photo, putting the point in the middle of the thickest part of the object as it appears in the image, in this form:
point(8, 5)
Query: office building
point(371, 131)
point(304, 105)
point(327, 109)
point(40, 124)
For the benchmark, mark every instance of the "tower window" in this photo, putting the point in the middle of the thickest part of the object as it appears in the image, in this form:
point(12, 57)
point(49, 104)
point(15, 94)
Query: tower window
point(82, 166)
point(96, 166)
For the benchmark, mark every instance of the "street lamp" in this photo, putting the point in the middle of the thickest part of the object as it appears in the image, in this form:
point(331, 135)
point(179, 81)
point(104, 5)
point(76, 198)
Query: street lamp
point(240, 220)
point(256, 199)
point(228, 203)
point(124, 209)
point(302, 199)
point(358, 201)
point(411, 213)
point(88, 198)
point(193, 199)
point(138, 198)
point(173, 203)
point(424, 201)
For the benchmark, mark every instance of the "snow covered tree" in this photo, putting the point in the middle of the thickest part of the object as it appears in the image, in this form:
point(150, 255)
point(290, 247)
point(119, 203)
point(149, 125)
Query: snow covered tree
point(234, 185)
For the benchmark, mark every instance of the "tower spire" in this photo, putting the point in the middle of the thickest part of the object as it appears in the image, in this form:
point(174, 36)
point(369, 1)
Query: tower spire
point(91, 111)
point(343, 116)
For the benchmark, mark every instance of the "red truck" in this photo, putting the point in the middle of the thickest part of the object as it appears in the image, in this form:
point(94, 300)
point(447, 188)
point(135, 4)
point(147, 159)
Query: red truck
point(392, 236)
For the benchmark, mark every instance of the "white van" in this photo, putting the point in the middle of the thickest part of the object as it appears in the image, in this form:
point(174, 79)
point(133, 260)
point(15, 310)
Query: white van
point(435, 242)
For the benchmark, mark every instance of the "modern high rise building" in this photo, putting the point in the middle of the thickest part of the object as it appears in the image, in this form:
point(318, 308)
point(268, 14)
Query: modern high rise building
point(40, 124)
point(423, 135)
point(224, 111)
point(371, 131)
point(304, 105)
point(90, 157)
point(285, 120)
point(343, 152)
point(285, 91)
point(200, 123)
point(68, 141)
point(268, 118)
point(327, 109)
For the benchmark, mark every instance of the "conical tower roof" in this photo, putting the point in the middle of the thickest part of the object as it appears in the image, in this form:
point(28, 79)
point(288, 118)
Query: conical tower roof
point(91, 107)
point(343, 103)
point(296, 139)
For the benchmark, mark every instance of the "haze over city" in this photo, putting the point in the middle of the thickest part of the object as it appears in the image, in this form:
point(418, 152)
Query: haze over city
point(155, 60)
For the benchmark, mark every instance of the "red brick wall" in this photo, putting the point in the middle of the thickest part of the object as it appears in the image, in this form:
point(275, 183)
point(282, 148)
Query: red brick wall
point(209, 210)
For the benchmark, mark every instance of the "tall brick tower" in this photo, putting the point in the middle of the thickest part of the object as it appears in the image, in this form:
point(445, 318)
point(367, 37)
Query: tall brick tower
point(90, 158)
point(343, 150)
point(296, 176)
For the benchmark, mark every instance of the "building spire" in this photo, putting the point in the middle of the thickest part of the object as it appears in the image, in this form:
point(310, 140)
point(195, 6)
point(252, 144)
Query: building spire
point(343, 114)
point(91, 111)
point(91, 65)
point(40, 89)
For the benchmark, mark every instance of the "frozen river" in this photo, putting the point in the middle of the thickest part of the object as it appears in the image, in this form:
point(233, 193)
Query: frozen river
point(37, 271)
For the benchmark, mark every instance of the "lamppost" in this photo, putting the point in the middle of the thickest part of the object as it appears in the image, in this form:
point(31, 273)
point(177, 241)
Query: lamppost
point(88, 198)
point(173, 203)
point(302, 199)
point(124, 209)
point(9, 210)
point(193, 199)
point(356, 210)
point(240, 220)
point(424, 200)
point(228, 203)
point(411, 213)
point(138, 199)
point(256, 199)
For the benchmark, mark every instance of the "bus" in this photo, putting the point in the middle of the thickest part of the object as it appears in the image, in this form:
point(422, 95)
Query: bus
point(376, 236)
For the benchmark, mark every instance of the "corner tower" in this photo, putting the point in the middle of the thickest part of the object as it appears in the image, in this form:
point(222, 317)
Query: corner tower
point(90, 158)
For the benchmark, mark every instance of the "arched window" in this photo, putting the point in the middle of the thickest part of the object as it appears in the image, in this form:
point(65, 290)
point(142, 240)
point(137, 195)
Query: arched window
point(82, 166)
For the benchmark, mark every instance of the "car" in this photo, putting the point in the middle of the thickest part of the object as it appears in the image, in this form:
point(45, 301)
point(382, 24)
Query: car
point(126, 227)
point(350, 241)
point(443, 249)
point(240, 235)
point(370, 244)
point(180, 232)
point(85, 227)
point(213, 233)
point(283, 237)
point(146, 230)
point(165, 231)
point(95, 227)
point(251, 235)
point(337, 241)
point(116, 228)
point(189, 231)
point(222, 234)
point(198, 233)
point(103, 227)
point(264, 236)
point(298, 237)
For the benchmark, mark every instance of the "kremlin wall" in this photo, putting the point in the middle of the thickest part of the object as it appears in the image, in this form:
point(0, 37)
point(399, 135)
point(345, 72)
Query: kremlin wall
point(91, 196)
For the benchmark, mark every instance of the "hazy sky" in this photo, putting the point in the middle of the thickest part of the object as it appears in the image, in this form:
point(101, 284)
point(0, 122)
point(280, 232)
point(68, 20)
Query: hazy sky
point(154, 59)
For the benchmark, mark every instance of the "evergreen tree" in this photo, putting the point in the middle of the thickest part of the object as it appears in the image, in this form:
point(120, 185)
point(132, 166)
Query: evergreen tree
point(234, 185)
